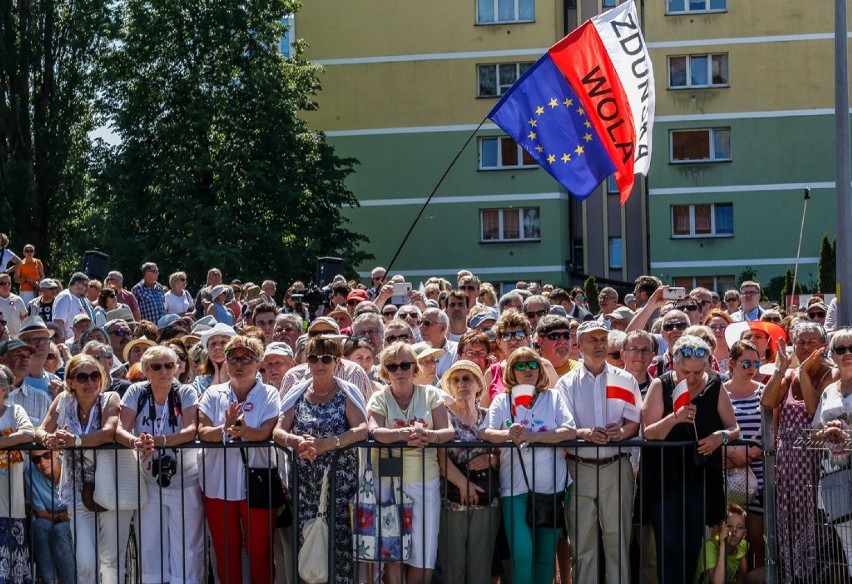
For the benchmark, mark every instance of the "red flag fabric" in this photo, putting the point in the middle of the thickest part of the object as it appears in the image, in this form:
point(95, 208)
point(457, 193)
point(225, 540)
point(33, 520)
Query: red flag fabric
point(624, 389)
point(680, 396)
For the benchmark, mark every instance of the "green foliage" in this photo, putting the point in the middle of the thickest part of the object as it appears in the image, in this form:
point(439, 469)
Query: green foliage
point(788, 285)
point(590, 289)
point(773, 289)
point(747, 274)
point(827, 265)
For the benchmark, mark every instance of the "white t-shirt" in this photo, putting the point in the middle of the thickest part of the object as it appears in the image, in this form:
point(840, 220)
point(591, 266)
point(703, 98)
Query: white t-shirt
point(179, 304)
point(65, 308)
point(162, 426)
point(260, 405)
point(14, 419)
point(548, 473)
point(14, 311)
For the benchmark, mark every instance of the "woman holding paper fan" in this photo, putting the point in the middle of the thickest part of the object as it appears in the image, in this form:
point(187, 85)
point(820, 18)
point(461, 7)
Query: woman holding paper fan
point(528, 412)
point(681, 488)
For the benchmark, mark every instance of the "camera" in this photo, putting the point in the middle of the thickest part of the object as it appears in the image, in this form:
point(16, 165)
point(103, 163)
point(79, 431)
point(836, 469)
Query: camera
point(163, 469)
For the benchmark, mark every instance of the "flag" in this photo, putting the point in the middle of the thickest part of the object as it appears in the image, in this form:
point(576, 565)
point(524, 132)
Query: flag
point(621, 388)
point(680, 396)
point(522, 396)
point(585, 109)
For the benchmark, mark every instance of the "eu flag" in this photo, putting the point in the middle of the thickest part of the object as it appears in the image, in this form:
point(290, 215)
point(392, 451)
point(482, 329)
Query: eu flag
point(544, 115)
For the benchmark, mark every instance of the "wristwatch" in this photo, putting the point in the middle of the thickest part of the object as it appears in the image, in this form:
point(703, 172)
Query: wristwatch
point(78, 442)
point(336, 442)
point(724, 438)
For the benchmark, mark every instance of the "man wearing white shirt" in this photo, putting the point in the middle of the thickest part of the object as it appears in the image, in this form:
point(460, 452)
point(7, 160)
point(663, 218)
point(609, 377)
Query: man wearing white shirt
point(12, 306)
point(71, 302)
point(603, 476)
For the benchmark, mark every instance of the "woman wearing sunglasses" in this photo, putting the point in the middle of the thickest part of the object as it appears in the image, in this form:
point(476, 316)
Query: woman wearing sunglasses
point(318, 417)
point(745, 393)
point(156, 414)
point(545, 420)
point(85, 416)
point(414, 414)
point(682, 487)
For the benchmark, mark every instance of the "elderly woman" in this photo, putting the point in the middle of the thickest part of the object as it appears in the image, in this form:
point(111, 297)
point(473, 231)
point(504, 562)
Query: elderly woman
point(682, 487)
point(155, 415)
point(318, 418)
point(213, 369)
point(217, 308)
point(473, 346)
point(470, 516)
point(414, 414)
point(831, 420)
point(84, 416)
point(546, 421)
point(15, 428)
point(243, 409)
point(178, 299)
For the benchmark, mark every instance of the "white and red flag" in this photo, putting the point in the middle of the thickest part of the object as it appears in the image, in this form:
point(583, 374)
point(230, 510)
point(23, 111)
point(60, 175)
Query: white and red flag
point(680, 396)
point(623, 389)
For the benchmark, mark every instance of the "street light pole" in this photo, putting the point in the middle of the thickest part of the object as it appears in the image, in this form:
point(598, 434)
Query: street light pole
point(843, 165)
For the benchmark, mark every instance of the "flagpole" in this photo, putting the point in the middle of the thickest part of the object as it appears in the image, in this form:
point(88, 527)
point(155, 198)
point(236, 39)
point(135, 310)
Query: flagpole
point(799, 249)
point(843, 165)
point(432, 194)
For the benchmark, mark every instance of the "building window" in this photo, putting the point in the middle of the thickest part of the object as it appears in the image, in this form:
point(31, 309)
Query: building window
point(501, 11)
point(510, 224)
point(615, 257)
point(711, 145)
point(289, 38)
point(495, 80)
point(611, 185)
point(713, 220)
point(720, 284)
point(503, 152)
point(609, 3)
point(687, 6)
point(689, 71)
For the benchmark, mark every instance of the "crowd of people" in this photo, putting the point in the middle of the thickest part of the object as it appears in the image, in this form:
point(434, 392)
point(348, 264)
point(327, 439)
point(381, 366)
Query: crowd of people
point(88, 362)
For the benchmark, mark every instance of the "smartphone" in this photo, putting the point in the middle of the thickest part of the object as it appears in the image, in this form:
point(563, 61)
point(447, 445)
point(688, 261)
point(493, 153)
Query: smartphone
point(401, 292)
point(675, 293)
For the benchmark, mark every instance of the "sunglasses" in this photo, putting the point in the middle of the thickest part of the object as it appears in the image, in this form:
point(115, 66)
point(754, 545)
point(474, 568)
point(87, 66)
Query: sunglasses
point(427, 323)
point(352, 302)
point(36, 458)
point(718, 327)
point(158, 366)
point(615, 354)
point(244, 360)
point(775, 319)
point(407, 314)
point(3, 322)
point(688, 307)
point(326, 359)
point(536, 314)
point(670, 326)
point(698, 352)
point(121, 333)
point(82, 378)
point(468, 287)
point(524, 365)
point(5, 283)
point(389, 313)
point(566, 336)
point(816, 315)
point(731, 300)
point(395, 338)
point(405, 366)
point(748, 364)
point(841, 350)
point(581, 298)
point(181, 356)
point(517, 335)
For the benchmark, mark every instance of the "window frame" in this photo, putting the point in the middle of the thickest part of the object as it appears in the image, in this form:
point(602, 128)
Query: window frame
point(521, 212)
point(711, 132)
point(616, 243)
point(522, 154)
point(714, 233)
point(688, 72)
point(727, 280)
point(688, 10)
point(496, 13)
point(499, 86)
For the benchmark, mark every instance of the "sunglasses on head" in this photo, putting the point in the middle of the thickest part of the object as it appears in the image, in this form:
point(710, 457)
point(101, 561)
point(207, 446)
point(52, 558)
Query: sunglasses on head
point(393, 367)
point(698, 352)
point(524, 365)
point(326, 359)
point(748, 364)
point(158, 366)
point(85, 377)
point(670, 326)
point(517, 335)
point(536, 314)
point(554, 336)
point(841, 350)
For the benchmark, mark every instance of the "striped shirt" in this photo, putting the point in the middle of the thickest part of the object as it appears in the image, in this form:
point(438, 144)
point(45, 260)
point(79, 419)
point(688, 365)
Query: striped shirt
point(747, 411)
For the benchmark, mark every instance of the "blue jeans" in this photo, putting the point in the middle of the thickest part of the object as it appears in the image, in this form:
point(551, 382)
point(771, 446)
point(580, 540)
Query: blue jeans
point(53, 551)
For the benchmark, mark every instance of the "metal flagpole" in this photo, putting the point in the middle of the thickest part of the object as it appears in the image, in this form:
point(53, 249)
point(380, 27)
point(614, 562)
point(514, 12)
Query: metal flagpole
point(843, 165)
point(799, 249)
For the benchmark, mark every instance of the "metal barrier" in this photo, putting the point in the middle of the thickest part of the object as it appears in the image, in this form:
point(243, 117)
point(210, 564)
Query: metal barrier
point(467, 540)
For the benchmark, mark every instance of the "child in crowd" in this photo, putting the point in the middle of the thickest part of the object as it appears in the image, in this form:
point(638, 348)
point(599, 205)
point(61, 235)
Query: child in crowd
point(722, 558)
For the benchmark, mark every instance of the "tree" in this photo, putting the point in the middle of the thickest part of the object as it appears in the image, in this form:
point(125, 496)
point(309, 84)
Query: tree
point(50, 63)
point(590, 289)
point(215, 166)
point(788, 285)
point(827, 265)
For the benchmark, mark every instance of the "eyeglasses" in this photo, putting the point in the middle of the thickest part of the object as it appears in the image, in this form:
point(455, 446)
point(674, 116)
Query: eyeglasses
point(326, 359)
point(82, 378)
point(816, 314)
point(405, 366)
point(395, 338)
point(841, 350)
point(698, 352)
point(730, 300)
point(749, 293)
point(244, 360)
point(469, 288)
point(368, 332)
point(158, 366)
point(670, 326)
point(718, 327)
point(638, 351)
point(474, 355)
point(555, 336)
point(181, 356)
point(748, 364)
point(688, 307)
point(524, 365)
point(775, 319)
point(427, 323)
point(36, 458)
point(407, 314)
point(517, 335)
point(121, 333)
point(389, 313)
point(104, 356)
point(615, 354)
point(536, 314)
point(581, 298)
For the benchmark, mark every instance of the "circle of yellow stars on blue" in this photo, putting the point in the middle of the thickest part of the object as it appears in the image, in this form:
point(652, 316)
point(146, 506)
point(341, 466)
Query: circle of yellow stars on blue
point(533, 135)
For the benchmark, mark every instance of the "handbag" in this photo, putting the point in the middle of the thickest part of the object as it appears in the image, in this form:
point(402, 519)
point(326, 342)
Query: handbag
point(313, 556)
point(835, 493)
point(544, 510)
point(263, 486)
point(741, 485)
point(382, 531)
